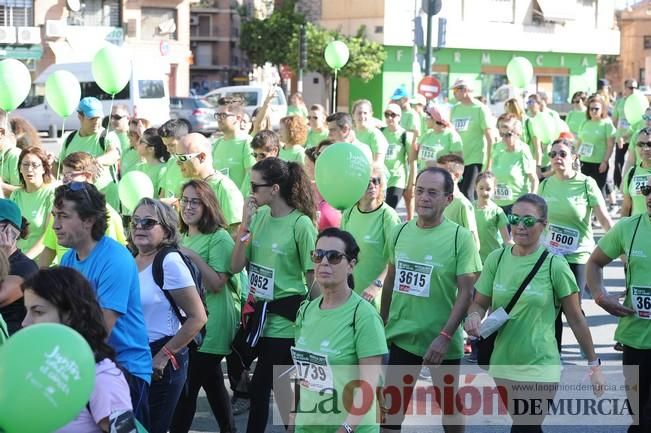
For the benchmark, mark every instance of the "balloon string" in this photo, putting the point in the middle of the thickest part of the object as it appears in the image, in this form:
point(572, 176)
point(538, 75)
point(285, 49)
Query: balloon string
point(108, 127)
point(63, 131)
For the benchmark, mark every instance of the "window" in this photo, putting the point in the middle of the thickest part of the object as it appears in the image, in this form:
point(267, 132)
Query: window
point(444, 80)
point(561, 91)
point(642, 77)
point(91, 88)
point(647, 42)
point(17, 13)
point(205, 25)
point(104, 13)
point(158, 23)
point(151, 89)
point(494, 87)
point(203, 54)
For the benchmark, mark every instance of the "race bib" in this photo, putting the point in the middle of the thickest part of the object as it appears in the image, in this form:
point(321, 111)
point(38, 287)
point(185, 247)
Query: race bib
point(313, 371)
point(261, 281)
point(392, 151)
point(412, 278)
point(461, 125)
point(586, 149)
point(503, 192)
point(641, 299)
point(561, 240)
point(428, 153)
point(637, 183)
point(225, 171)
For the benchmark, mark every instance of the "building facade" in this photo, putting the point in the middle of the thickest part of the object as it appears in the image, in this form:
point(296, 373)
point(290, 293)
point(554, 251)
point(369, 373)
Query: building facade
point(635, 57)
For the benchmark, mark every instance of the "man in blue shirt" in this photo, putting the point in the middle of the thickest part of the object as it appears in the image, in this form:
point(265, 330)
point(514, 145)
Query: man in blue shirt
point(80, 221)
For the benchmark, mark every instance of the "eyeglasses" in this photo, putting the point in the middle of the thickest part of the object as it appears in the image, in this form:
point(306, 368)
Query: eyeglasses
point(645, 190)
point(260, 155)
point(190, 202)
point(553, 154)
point(531, 102)
point(185, 157)
point(334, 257)
point(390, 114)
point(71, 174)
point(143, 223)
point(79, 186)
point(507, 134)
point(646, 117)
point(118, 117)
point(375, 181)
point(575, 101)
point(631, 88)
point(595, 108)
point(33, 165)
point(440, 123)
point(312, 117)
point(223, 116)
point(255, 186)
point(528, 220)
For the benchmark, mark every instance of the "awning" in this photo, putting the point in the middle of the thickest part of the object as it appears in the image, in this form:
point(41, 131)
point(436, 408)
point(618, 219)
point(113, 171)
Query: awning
point(555, 10)
point(30, 52)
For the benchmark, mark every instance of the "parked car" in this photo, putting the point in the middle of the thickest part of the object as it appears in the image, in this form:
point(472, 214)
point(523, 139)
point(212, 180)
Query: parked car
point(197, 113)
point(253, 96)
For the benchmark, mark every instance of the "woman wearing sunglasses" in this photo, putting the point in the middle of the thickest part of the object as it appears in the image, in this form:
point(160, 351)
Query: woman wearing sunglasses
point(63, 295)
point(577, 115)
point(638, 176)
point(573, 199)
point(595, 142)
point(275, 239)
point(525, 351)
point(354, 334)
point(366, 129)
point(370, 222)
point(397, 155)
point(153, 157)
point(513, 165)
point(154, 226)
point(207, 242)
point(633, 156)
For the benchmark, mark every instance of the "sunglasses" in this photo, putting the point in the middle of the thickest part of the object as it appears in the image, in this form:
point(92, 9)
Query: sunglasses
point(528, 220)
point(553, 154)
point(143, 223)
point(506, 134)
point(190, 202)
point(390, 114)
point(375, 181)
point(260, 155)
point(575, 101)
point(255, 186)
point(222, 116)
point(334, 257)
point(595, 108)
point(643, 144)
point(312, 117)
point(645, 190)
point(646, 117)
point(531, 102)
point(79, 186)
point(185, 157)
point(439, 123)
point(117, 117)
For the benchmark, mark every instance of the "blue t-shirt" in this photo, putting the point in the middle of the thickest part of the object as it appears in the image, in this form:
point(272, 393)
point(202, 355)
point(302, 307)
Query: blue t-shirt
point(113, 274)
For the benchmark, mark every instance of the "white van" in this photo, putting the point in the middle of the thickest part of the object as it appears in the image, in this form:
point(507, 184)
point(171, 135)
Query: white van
point(253, 96)
point(146, 95)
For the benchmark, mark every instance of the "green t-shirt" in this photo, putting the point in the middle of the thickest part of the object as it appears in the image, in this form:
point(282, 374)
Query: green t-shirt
point(295, 154)
point(433, 145)
point(634, 330)
point(233, 158)
point(623, 127)
point(279, 257)
point(396, 157)
point(423, 124)
point(9, 166)
point(172, 178)
point(229, 197)
point(125, 144)
point(36, 208)
point(155, 172)
point(114, 230)
point(461, 212)
point(374, 139)
point(410, 120)
point(315, 137)
point(471, 122)
point(511, 171)
point(639, 177)
point(570, 203)
point(545, 146)
point(427, 263)
point(333, 341)
point(594, 137)
point(575, 120)
point(128, 160)
point(489, 222)
point(224, 306)
point(293, 110)
point(372, 231)
point(636, 127)
point(525, 347)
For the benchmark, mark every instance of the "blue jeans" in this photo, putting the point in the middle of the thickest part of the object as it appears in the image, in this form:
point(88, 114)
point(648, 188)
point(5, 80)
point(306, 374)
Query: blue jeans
point(139, 392)
point(164, 393)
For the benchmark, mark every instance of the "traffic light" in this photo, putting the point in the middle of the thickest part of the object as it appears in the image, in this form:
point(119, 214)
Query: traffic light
point(302, 51)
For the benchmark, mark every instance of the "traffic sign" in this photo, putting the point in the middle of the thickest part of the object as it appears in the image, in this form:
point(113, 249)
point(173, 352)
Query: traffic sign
point(429, 87)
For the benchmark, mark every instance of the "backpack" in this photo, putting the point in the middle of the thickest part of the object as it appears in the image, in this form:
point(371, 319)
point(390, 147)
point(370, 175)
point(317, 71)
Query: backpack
point(69, 138)
point(403, 137)
point(159, 278)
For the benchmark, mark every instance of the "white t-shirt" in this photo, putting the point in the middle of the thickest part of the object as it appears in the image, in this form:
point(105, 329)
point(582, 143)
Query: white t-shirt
point(160, 318)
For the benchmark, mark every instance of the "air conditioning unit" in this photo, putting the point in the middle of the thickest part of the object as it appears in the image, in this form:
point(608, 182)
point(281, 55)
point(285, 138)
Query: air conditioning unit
point(7, 35)
point(55, 28)
point(194, 20)
point(29, 35)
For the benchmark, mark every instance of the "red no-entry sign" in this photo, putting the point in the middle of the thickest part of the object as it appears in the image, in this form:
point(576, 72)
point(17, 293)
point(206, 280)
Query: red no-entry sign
point(429, 87)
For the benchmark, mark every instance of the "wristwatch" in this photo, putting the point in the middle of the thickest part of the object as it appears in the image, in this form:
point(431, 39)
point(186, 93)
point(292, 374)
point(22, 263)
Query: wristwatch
point(595, 363)
point(348, 428)
point(378, 283)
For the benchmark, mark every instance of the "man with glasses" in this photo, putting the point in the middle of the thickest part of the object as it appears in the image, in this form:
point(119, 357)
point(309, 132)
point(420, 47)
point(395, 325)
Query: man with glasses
point(630, 237)
point(231, 154)
point(9, 155)
point(318, 127)
point(171, 132)
point(80, 221)
point(120, 125)
point(433, 264)
point(472, 120)
point(638, 176)
point(94, 139)
point(195, 159)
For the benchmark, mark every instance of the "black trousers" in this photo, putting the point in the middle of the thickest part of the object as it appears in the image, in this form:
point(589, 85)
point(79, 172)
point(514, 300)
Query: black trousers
point(579, 271)
point(592, 169)
point(393, 196)
point(620, 158)
point(519, 391)
point(467, 183)
point(641, 358)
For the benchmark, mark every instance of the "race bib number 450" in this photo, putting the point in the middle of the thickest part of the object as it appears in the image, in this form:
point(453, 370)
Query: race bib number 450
point(641, 299)
point(261, 281)
point(412, 278)
point(313, 370)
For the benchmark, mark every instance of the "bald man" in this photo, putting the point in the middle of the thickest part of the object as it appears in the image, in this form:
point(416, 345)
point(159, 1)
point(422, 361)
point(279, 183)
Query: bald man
point(194, 156)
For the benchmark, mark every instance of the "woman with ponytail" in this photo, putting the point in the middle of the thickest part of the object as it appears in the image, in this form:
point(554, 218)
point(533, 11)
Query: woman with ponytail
point(275, 241)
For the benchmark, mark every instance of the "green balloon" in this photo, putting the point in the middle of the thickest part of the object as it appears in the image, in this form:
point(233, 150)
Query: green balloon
point(545, 127)
point(519, 72)
point(336, 54)
point(63, 92)
point(342, 173)
point(111, 69)
point(132, 187)
point(47, 372)
point(15, 83)
point(635, 106)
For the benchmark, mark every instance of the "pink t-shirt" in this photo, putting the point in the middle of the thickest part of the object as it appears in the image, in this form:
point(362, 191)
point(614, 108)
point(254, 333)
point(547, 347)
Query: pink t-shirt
point(110, 394)
point(327, 216)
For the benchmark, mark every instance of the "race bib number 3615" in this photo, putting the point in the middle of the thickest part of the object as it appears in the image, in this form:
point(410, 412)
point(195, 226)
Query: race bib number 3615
point(412, 278)
point(641, 300)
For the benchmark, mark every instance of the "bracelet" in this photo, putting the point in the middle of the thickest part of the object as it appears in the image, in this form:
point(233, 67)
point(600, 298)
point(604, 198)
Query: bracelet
point(446, 335)
point(595, 363)
point(171, 357)
point(244, 235)
point(599, 298)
